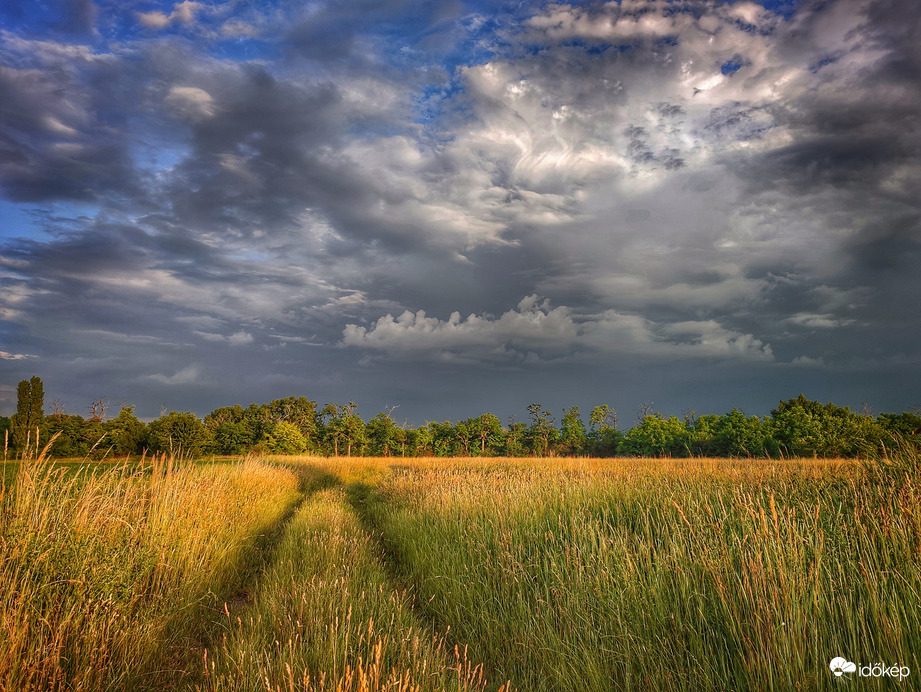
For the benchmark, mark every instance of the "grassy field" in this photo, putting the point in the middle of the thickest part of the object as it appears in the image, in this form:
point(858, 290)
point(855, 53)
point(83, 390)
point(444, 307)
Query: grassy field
point(460, 574)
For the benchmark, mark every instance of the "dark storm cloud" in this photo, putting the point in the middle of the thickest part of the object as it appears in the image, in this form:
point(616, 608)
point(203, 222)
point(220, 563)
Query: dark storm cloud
point(57, 139)
point(495, 203)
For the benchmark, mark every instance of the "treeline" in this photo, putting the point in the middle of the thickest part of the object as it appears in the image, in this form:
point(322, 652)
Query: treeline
point(296, 425)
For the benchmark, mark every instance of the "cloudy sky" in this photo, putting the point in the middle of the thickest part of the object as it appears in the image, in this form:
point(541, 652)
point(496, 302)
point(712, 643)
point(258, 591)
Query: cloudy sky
point(459, 207)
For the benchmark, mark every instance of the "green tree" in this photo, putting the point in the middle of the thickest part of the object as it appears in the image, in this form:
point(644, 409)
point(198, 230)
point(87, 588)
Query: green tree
point(420, 441)
point(342, 429)
point(180, 434)
point(30, 413)
point(126, 432)
point(486, 433)
point(442, 438)
point(233, 430)
point(738, 435)
point(286, 438)
point(382, 435)
point(232, 438)
point(73, 435)
point(573, 436)
point(516, 438)
point(902, 423)
point(603, 436)
point(700, 432)
point(656, 436)
point(297, 410)
point(802, 427)
point(541, 433)
point(463, 437)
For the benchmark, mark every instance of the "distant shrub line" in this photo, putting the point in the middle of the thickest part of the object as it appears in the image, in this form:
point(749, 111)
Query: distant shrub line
point(798, 427)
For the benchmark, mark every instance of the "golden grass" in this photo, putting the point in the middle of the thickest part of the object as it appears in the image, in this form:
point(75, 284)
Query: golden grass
point(103, 576)
point(458, 574)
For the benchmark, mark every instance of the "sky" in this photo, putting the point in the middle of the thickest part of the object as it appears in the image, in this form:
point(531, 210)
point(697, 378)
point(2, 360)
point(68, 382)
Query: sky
point(454, 207)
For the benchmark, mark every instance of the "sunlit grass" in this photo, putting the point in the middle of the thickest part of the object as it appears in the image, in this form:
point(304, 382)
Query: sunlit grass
point(459, 574)
point(104, 577)
point(651, 574)
point(325, 616)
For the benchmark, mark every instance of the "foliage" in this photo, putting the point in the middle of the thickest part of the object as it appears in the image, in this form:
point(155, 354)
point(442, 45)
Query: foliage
point(75, 435)
point(126, 433)
point(809, 428)
point(179, 433)
point(286, 438)
point(24, 424)
point(341, 429)
point(573, 436)
point(294, 425)
point(656, 436)
point(738, 435)
point(603, 437)
point(541, 433)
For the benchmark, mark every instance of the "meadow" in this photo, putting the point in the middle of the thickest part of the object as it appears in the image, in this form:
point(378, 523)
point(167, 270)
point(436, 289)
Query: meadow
point(308, 573)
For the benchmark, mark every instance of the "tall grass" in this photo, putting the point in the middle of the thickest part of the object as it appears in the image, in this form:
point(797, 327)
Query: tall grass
point(105, 577)
point(325, 617)
point(691, 575)
point(400, 574)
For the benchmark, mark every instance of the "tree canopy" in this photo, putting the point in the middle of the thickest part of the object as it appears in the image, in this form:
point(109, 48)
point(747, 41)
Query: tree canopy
point(296, 425)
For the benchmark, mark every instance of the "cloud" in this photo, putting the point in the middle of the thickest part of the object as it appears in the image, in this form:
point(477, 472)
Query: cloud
point(5, 355)
point(190, 102)
point(535, 330)
point(185, 376)
point(814, 321)
point(713, 182)
point(183, 13)
point(240, 338)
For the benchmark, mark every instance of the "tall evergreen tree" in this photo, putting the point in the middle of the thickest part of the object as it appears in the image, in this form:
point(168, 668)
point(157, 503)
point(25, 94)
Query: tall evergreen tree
point(30, 410)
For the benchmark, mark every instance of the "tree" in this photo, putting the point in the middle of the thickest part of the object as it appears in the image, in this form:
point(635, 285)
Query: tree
point(803, 427)
point(233, 430)
point(179, 433)
point(700, 434)
point(486, 431)
point(463, 436)
point(902, 424)
point(299, 411)
point(382, 435)
point(286, 438)
point(738, 435)
point(74, 438)
point(30, 402)
point(656, 436)
point(341, 428)
point(420, 441)
point(442, 438)
point(541, 432)
point(603, 436)
point(126, 433)
point(515, 437)
point(573, 436)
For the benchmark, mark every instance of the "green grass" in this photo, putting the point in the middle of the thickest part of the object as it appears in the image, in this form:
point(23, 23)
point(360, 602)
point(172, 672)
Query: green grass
point(665, 576)
point(105, 578)
point(383, 574)
point(325, 616)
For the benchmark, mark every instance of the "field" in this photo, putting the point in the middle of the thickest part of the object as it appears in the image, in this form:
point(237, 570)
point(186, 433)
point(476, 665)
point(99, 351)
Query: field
point(460, 574)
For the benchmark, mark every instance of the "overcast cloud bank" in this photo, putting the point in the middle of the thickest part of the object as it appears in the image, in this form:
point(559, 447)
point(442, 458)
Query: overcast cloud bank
point(208, 204)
